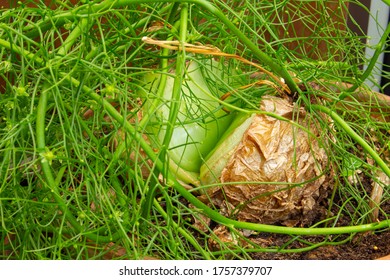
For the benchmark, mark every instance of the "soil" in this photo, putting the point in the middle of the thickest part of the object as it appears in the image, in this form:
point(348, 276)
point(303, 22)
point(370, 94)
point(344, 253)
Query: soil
point(363, 246)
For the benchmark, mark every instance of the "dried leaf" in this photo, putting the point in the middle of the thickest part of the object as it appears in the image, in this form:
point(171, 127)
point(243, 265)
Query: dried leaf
point(285, 164)
point(222, 235)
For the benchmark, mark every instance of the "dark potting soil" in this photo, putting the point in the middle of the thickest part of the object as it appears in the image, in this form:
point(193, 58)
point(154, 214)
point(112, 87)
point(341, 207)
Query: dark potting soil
point(363, 246)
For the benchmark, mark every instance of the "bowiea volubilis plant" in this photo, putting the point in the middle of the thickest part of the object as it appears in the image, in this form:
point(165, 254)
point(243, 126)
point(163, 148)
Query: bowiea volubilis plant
point(112, 110)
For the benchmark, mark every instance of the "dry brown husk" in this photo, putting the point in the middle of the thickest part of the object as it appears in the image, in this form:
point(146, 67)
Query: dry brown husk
point(287, 164)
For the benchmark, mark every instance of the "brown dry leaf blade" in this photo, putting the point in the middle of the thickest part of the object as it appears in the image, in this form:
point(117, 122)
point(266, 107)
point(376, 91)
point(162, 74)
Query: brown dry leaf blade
point(272, 150)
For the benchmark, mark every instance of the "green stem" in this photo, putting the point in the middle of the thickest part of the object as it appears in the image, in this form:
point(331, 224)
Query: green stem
point(176, 91)
point(73, 36)
point(215, 216)
point(41, 143)
point(22, 52)
point(146, 118)
point(354, 136)
point(183, 232)
point(63, 17)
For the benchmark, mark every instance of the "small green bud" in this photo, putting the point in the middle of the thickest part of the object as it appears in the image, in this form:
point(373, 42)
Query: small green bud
point(21, 91)
point(5, 66)
point(47, 156)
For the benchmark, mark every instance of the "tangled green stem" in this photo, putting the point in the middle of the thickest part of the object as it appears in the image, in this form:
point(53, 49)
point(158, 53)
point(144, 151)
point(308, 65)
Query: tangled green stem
point(373, 61)
point(276, 67)
point(354, 136)
point(178, 81)
point(46, 168)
